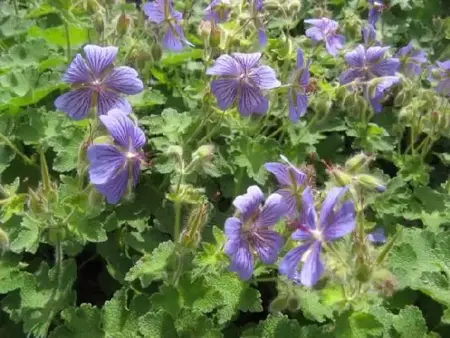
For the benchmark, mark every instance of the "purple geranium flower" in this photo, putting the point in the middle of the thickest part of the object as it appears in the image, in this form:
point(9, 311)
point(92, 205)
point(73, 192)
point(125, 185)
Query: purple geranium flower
point(249, 234)
point(376, 7)
point(298, 95)
point(95, 81)
point(218, 11)
point(411, 60)
point(326, 30)
point(161, 12)
point(366, 64)
point(441, 76)
point(375, 93)
point(376, 236)
point(257, 9)
point(369, 35)
point(242, 80)
point(113, 166)
point(292, 183)
point(331, 226)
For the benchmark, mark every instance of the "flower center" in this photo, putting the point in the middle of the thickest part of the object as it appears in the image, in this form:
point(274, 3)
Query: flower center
point(97, 86)
point(317, 234)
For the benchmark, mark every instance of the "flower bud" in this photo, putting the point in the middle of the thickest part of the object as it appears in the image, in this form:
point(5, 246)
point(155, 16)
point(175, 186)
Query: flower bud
point(4, 241)
point(402, 98)
point(204, 29)
point(175, 150)
point(370, 182)
point(356, 163)
point(123, 23)
point(99, 24)
point(280, 303)
point(340, 177)
point(204, 152)
point(215, 36)
point(34, 202)
point(385, 282)
point(293, 6)
point(197, 219)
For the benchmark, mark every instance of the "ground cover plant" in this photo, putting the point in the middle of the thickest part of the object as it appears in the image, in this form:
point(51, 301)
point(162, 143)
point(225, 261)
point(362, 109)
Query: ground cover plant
point(224, 168)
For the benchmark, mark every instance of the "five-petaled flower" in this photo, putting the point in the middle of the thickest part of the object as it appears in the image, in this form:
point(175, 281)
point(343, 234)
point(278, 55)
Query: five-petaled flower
point(218, 11)
point(292, 183)
point(441, 76)
point(326, 30)
point(115, 167)
point(376, 7)
point(162, 13)
point(331, 226)
point(298, 93)
point(257, 10)
point(242, 79)
point(411, 60)
point(367, 64)
point(249, 235)
point(96, 82)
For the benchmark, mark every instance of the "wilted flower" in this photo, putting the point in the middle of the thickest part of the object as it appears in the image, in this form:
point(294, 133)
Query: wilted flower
point(411, 60)
point(113, 167)
point(244, 80)
point(249, 234)
point(162, 13)
point(326, 30)
point(256, 9)
point(441, 76)
point(376, 236)
point(292, 183)
point(376, 7)
point(96, 82)
point(331, 226)
point(298, 93)
point(369, 35)
point(218, 11)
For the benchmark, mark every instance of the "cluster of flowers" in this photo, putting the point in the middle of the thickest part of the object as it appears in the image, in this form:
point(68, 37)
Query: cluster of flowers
point(250, 234)
point(114, 165)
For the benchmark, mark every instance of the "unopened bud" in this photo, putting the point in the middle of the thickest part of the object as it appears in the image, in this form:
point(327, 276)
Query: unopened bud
point(204, 29)
point(34, 202)
point(197, 219)
point(370, 182)
point(402, 98)
point(99, 24)
point(340, 177)
point(4, 241)
point(175, 150)
point(204, 152)
point(293, 6)
point(215, 36)
point(356, 163)
point(123, 23)
point(385, 282)
point(156, 52)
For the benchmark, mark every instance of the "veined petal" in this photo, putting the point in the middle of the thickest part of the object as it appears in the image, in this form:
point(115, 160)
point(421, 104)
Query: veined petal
point(264, 77)
point(304, 77)
point(375, 54)
point(249, 202)
point(172, 39)
point(75, 103)
point(443, 87)
point(386, 67)
point(105, 161)
point(108, 100)
point(356, 58)
point(225, 65)
point(123, 130)
point(247, 60)
point(314, 34)
point(99, 58)
point(233, 227)
point(242, 261)
point(327, 215)
point(251, 100)
point(308, 212)
point(350, 75)
point(124, 80)
point(344, 222)
point(225, 91)
point(262, 35)
point(267, 244)
point(313, 268)
point(289, 201)
point(289, 263)
point(374, 15)
point(333, 43)
point(299, 109)
point(155, 11)
point(77, 71)
point(271, 212)
point(445, 65)
point(280, 171)
point(300, 58)
point(115, 188)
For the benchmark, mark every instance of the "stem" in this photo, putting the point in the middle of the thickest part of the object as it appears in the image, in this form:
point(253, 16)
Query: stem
point(177, 227)
point(16, 8)
point(24, 157)
point(217, 125)
point(330, 248)
point(69, 47)
point(59, 256)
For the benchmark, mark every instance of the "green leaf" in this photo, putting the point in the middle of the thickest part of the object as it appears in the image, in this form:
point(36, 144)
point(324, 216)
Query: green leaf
point(23, 237)
point(358, 325)
point(147, 98)
point(80, 322)
point(152, 266)
point(157, 325)
point(409, 323)
point(57, 35)
point(11, 275)
point(171, 59)
point(275, 326)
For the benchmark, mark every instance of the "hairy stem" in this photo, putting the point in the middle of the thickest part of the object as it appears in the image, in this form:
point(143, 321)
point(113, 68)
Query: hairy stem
point(24, 157)
point(68, 45)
